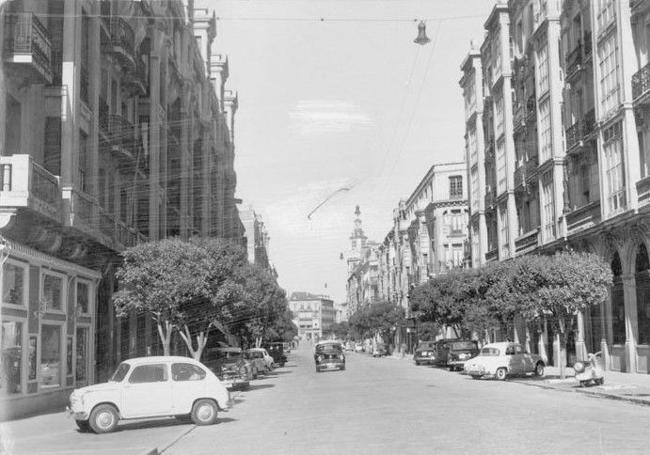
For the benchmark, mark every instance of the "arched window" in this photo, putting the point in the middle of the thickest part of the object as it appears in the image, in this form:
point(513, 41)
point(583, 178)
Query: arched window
point(643, 295)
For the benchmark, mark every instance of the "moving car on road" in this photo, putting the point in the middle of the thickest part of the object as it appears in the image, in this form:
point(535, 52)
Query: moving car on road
point(328, 355)
point(460, 351)
point(230, 366)
point(379, 350)
point(150, 387)
point(500, 360)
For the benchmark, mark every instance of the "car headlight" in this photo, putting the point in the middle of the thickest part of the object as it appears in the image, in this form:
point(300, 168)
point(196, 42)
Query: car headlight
point(341, 357)
point(319, 358)
point(579, 367)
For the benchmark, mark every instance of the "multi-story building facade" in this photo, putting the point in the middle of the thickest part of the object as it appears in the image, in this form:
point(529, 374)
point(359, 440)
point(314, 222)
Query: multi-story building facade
point(256, 238)
point(428, 237)
point(314, 315)
point(363, 267)
point(580, 100)
point(117, 129)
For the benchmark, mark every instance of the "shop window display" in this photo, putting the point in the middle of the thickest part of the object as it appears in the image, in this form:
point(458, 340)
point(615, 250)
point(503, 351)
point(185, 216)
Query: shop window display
point(50, 368)
point(12, 350)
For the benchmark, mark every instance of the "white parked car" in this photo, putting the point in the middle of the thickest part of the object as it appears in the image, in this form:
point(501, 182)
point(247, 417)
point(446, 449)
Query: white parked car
point(268, 360)
point(500, 360)
point(151, 387)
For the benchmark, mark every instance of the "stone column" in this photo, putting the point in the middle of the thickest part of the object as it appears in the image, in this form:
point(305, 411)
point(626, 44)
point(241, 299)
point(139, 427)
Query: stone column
point(70, 97)
point(631, 325)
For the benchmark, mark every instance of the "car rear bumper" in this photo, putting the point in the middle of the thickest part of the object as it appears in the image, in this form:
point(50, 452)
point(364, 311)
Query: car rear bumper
point(425, 360)
point(330, 365)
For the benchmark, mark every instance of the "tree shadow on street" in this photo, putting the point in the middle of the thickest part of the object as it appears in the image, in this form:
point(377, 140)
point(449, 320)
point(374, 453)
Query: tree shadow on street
point(259, 387)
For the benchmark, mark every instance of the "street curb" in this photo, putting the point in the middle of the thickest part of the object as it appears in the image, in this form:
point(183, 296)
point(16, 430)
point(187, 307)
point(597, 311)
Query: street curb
point(588, 392)
point(158, 450)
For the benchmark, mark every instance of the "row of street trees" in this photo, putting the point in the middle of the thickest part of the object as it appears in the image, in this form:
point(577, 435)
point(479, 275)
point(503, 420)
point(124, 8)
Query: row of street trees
point(194, 286)
point(536, 288)
point(377, 320)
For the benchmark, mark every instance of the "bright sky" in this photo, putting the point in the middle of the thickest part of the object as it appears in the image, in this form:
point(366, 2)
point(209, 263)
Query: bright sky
point(349, 100)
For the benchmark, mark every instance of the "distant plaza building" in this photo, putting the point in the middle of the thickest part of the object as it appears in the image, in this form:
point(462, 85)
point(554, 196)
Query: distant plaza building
point(313, 314)
point(362, 286)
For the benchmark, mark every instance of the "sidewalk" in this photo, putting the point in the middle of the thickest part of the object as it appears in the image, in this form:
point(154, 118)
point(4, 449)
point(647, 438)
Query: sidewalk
point(630, 387)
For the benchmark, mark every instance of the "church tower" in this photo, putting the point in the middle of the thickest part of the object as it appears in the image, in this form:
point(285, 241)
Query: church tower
point(358, 242)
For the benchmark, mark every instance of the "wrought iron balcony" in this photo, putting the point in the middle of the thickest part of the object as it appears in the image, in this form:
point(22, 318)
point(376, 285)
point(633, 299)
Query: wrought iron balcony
point(137, 79)
point(103, 116)
point(574, 60)
point(531, 107)
point(24, 183)
point(641, 82)
point(121, 42)
point(532, 163)
point(122, 137)
point(27, 45)
point(589, 122)
point(519, 114)
point(573, 135)
point(520, 176)
point(490, 198)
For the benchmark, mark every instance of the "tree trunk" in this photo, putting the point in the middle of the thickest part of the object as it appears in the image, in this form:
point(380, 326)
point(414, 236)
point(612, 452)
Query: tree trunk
point(201, 341)
point(165, 333)
point(562, 342)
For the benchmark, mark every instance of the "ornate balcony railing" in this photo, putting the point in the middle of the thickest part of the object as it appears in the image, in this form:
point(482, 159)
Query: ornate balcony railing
point(24, 183)
point(574, 60)
point(589, 122)
point(531, 107)
point(103, 115)
point(121, 42)
point(531, 165)
point(28, 44)
point(641, 82)
point(492, 255)
point(573, 135)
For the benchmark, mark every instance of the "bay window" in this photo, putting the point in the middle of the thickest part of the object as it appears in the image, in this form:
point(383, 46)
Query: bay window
point(608, 66)
point(548, 201)
point(52, 292)
point(614, 179)
point(542, 68)
point(501, 166)
point(545, 139)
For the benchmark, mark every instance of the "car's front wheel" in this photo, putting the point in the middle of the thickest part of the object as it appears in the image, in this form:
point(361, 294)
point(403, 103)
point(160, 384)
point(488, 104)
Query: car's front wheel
point(501, 374)
point(204, 412)
point(103, 419)
point(539, 369)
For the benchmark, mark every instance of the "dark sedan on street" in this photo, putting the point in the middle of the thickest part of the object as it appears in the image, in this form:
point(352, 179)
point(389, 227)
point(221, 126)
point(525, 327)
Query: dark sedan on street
point(328, 355)
point(459, 352)
point(426, 353)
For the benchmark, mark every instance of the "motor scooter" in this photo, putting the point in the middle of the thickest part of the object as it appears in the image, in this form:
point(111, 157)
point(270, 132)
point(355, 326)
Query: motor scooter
point(590, 372)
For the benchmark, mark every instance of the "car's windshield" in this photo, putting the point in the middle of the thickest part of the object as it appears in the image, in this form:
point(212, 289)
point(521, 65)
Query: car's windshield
point(489, 352)
point(426, 346)
point(329, 347)
point(120, 373)
point(459, 345)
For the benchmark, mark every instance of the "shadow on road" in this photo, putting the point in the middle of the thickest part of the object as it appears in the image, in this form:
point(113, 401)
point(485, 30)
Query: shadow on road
point(156, 423)
point(260, 386)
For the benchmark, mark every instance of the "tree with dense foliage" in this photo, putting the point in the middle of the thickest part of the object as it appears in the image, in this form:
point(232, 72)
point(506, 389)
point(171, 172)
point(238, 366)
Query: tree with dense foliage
point(158, 278)
point(376, 319)
point(340, 330)
point(262, 312)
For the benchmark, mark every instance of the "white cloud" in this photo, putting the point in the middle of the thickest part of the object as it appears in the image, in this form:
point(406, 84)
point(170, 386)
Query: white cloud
point(321, 116)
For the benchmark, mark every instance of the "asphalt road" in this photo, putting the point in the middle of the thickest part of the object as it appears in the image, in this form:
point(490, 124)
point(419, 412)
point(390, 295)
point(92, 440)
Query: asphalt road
point(391, 406)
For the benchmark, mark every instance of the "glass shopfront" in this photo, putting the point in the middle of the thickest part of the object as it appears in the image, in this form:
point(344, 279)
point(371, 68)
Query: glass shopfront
point(81, 374)
point(12, 353)
point(51, 350)
point(13, 284)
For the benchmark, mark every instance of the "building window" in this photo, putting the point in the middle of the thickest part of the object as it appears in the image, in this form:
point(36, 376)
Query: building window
point(545, 140)
point(498, 115)
point(12, 353)
point(473, 149)
point(52, 292)
point(608, 65)
point(84, 173)
point(50, 371)
point(605, 14)
point(83, 296)
point(615, 182)
point(496, 54)
point(504, 239)
point(475, 190)
point(502, 177)
point(470, 98)
point(456, 187)
point(13, 282)
point(542, 69)
point(548, 201)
